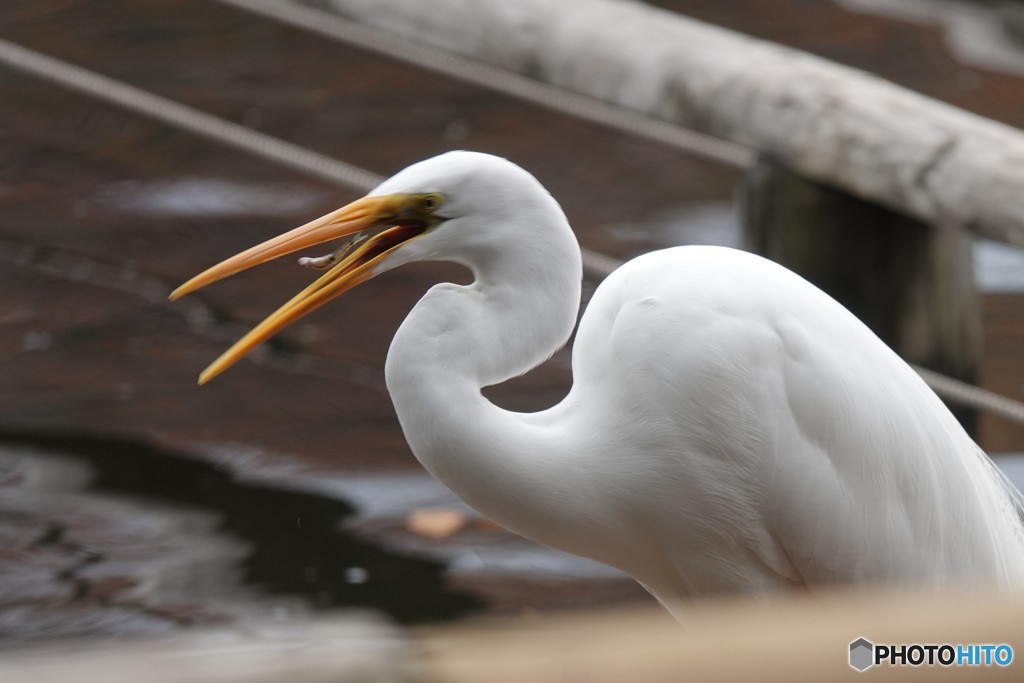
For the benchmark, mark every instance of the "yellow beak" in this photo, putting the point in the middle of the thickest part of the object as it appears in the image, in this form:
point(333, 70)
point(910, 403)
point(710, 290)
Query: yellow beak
point(356, 267)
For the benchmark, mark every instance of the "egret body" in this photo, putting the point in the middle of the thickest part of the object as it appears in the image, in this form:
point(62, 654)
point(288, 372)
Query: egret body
point(730, 428)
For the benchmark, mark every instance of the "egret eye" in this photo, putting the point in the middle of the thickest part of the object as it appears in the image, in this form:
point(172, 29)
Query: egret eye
point(429, 203)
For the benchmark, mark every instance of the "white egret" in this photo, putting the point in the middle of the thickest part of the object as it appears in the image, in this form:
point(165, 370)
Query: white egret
point(730, 428)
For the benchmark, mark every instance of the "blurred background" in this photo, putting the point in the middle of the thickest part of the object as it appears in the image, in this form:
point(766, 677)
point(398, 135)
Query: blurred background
point(132, 501)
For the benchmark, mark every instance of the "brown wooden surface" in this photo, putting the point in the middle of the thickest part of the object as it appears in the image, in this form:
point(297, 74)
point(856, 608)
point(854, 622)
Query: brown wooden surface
point(1002, 368)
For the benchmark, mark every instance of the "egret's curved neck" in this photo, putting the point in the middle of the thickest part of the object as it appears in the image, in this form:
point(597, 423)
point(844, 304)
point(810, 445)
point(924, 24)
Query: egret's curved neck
point(520, 309)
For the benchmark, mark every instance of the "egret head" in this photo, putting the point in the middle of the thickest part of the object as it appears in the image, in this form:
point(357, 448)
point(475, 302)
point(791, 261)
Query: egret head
point(425, 212)
point(483, 202)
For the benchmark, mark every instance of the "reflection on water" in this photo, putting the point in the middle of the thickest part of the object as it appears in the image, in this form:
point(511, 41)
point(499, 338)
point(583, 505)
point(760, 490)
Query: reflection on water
point(998, 267)
point(387, 499)
point(1012, 465)
point(297, 546)
point(209, 198)
point(707, 223)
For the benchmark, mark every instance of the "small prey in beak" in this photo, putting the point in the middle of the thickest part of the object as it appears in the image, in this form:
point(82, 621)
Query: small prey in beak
point(325, 262)
point(354, 263)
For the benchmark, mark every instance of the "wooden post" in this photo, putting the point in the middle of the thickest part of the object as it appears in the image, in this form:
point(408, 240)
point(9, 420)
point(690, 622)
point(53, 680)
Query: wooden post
point(913, 284)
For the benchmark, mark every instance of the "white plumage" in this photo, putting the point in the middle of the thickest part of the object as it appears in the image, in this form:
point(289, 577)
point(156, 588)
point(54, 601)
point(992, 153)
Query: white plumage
point(730, 429)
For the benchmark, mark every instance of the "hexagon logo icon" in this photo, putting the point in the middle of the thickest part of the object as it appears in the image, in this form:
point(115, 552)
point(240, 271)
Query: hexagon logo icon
point(862, 654)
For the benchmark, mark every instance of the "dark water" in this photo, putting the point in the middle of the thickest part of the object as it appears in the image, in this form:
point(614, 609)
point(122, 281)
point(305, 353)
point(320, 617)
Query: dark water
point(297, 545)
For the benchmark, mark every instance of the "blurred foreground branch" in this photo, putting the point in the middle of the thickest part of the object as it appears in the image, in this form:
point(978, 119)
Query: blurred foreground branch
point(804, 638)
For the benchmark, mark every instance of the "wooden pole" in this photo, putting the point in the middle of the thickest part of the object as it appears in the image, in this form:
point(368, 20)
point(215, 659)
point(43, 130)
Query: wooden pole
point(870, 164)
point(827, 122)
point(911, 283)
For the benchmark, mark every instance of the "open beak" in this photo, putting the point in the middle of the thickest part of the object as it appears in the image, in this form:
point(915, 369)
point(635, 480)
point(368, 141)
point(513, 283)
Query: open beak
point(355, 267)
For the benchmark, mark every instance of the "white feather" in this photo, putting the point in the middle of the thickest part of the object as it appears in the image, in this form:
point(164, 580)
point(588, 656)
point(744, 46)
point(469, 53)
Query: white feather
point(730, 429)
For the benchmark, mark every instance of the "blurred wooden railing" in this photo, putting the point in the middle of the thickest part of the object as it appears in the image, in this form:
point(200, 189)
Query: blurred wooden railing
point(909, 281)
point(804, 638)
point(869, 190)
